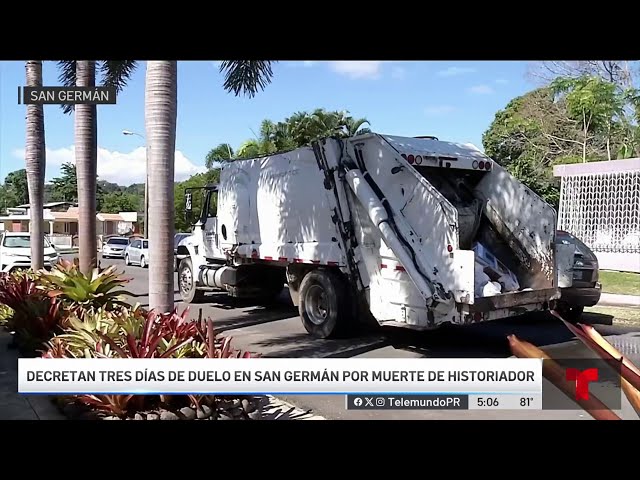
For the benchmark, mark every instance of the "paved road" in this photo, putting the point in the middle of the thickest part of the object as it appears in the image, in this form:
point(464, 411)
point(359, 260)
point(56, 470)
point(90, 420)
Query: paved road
point(278, 332)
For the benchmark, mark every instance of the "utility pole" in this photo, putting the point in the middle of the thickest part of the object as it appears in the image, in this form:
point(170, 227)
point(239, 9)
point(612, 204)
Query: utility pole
point(146, 181)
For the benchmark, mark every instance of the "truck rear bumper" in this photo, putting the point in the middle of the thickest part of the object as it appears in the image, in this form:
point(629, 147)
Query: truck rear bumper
point(514, 300)
point(581, 297)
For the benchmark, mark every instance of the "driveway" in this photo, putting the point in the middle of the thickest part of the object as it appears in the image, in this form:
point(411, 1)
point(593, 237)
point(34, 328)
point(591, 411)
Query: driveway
point(278, 332)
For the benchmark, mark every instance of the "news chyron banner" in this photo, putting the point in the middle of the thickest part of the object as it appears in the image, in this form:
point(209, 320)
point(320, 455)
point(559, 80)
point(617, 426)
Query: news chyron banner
point(366, 383)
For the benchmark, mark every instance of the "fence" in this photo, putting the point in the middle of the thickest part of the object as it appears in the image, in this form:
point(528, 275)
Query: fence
point(61, 240)
point(600, 204)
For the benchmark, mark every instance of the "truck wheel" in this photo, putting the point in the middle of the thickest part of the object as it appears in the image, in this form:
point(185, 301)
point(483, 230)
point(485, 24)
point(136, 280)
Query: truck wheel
point(187, 282)
point(324, 307)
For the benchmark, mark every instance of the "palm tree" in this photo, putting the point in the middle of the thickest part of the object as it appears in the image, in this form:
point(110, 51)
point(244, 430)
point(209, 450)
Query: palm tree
point(35, 160)
point(241, 76)
point(82, 73)
point(353, 126)
point(222, 153)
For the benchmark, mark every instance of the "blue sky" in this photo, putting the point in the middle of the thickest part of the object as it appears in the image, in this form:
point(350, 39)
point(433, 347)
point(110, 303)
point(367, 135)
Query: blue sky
point(455, 101)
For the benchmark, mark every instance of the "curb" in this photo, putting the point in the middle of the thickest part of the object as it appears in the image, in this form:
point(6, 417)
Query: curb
point(618, 300)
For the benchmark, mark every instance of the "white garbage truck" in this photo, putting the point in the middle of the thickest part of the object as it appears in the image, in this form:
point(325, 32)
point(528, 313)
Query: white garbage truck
point(407, 231)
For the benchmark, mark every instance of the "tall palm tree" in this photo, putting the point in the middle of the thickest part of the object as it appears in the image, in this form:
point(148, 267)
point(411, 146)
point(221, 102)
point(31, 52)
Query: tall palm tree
point(161, 105)
point(35, 160)
point(241, 76)
point(82, 73)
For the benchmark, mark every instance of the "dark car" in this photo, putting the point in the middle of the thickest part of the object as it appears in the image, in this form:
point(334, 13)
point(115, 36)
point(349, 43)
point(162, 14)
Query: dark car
point(176, 241)
point(586, 289)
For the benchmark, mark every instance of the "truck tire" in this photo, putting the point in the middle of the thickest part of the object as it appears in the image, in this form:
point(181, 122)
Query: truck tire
point(324, 304)
point(187, 283)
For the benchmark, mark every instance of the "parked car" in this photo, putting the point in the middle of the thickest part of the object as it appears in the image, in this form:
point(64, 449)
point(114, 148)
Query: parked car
point(586, 289)
point(15, 252)
point(137, 253)
point(114, 247)
point(179, 237)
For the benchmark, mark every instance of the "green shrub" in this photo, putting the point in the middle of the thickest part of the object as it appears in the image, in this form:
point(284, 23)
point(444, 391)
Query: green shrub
point(136, 333)
point(6, 313)
point(36, 317)
point(80, 293)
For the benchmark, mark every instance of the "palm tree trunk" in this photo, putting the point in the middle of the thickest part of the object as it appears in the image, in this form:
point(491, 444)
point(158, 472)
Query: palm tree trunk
point(161, 92)
point(87, 168)
point(35, 159)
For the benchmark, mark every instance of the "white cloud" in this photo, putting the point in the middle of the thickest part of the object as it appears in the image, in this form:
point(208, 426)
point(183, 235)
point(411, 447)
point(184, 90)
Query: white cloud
point(357, 69)
point(502, 81)
point(435, 110)
point(118, 167)
point(455, 71)
point(481, 89)
point(398, 73)
point(298, 63)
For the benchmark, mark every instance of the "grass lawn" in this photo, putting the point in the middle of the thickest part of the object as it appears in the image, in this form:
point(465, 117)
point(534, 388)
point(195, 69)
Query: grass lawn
point(620, 282)
point(621, 315)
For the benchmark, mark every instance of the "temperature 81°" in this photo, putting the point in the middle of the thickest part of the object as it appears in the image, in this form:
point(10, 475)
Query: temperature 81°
point(526, 402)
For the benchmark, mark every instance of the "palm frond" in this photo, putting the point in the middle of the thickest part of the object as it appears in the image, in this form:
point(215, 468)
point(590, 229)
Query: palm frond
point(116, 73)
point(246, 76)
point(67, 77)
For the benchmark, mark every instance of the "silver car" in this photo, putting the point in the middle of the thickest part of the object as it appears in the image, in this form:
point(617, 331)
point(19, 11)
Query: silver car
point(137, 253)
point(114, 247)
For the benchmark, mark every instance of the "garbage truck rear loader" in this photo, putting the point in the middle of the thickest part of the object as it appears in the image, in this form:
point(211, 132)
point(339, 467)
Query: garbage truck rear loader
point(405, 231)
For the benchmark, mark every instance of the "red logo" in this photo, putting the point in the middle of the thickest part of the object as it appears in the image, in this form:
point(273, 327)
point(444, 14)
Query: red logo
point(582, 379)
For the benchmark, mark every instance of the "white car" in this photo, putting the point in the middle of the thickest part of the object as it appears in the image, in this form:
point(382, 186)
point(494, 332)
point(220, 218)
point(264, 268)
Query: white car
point(15, 252)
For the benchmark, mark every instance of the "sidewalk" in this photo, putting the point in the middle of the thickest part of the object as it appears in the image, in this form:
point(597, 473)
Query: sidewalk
point(14, 406)
point(616, 300)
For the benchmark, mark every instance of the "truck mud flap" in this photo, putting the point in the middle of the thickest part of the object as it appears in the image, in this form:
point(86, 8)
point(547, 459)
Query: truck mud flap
point(514, 299)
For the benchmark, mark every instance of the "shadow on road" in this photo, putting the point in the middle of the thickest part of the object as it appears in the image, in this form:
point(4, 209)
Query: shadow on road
point(473, 341)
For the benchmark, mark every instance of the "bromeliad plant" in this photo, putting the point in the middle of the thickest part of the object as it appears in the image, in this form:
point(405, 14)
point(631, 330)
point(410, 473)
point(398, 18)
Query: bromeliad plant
point(136, 333)
point(629, 373)
point(80, 293)
point(35, 317)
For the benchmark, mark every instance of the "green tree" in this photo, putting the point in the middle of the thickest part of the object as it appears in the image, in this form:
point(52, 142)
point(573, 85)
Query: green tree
point(7, 199)
point(296, 131)
point(529, 136)
point(82, 73)
point(593, 103)
point(17, 187)
point(222, 153)
point(195, 181)
point(115, 202)
point(65, 187)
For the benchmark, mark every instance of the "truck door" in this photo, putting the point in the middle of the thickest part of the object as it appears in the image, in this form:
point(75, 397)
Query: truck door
point(211, 225)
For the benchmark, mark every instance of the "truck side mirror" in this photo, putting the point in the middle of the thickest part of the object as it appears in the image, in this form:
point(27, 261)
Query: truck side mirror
point(188, 206)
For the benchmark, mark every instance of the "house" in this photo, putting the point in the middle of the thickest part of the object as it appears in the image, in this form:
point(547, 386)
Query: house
point(61, 222)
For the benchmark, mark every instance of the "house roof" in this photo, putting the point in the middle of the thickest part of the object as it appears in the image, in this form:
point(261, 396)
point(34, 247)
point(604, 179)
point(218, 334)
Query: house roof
point(110, 217)
point(68, 215)
point(47, 205)
point(72, 215)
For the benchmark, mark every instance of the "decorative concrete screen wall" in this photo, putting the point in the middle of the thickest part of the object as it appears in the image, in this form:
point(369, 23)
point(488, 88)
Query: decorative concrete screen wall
point(600, 204)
